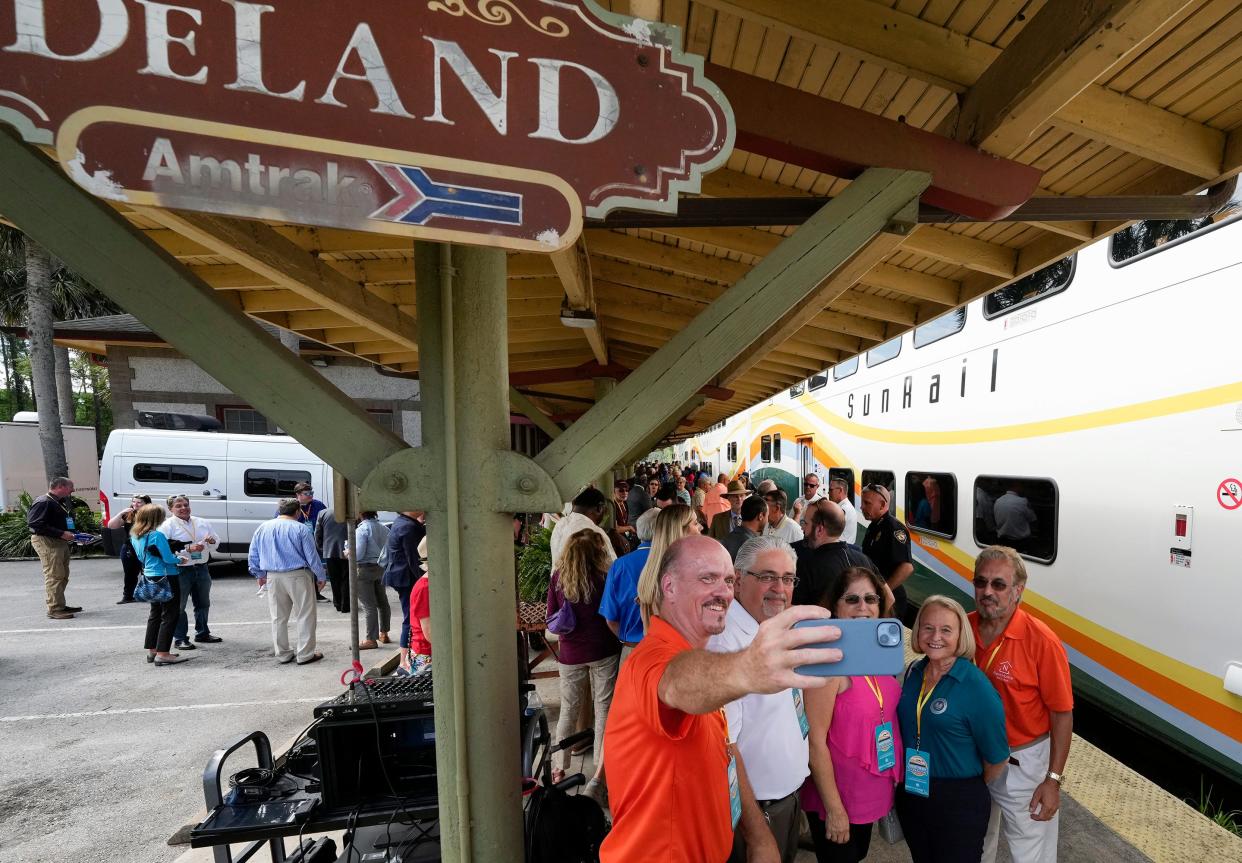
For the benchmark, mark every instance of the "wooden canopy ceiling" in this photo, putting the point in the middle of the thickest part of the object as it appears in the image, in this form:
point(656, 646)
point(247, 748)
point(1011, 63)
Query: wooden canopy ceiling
point(1140, 97)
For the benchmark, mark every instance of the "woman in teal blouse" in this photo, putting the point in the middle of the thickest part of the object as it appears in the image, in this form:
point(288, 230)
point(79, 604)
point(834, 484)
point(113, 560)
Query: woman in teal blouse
point(158, 561)
point(953, 727)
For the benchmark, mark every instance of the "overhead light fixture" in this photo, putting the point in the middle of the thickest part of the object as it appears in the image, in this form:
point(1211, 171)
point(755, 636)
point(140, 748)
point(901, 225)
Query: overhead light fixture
point(321, 362)
point(581, 319)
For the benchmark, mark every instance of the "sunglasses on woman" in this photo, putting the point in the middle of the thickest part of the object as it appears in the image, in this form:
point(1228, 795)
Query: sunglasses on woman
point(854, 599)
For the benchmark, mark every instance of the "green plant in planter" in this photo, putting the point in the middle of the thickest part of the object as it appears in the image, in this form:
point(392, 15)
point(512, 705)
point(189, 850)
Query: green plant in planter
point(535, 567)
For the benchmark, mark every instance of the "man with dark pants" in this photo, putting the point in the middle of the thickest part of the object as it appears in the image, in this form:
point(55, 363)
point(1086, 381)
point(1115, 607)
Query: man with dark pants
point(769, 730)
point(826, 555)
point(283, 555)
point(309, 508)
point(678, 788)
point(330, 536)
point(192, 537)
point(1026, 663)
point(51, 530)
point(887, 543)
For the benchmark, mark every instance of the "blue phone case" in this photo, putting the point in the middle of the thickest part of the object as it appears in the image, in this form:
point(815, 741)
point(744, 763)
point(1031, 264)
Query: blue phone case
point(867, 647)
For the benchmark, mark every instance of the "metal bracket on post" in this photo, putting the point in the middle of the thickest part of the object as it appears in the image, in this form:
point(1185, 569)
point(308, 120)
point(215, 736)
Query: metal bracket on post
point(524, 485)
point(905, 221)
point(412, 478)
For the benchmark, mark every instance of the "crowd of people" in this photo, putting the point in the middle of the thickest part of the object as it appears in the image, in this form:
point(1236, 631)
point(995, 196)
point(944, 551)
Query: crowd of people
point(709, 743)
point(293, 557)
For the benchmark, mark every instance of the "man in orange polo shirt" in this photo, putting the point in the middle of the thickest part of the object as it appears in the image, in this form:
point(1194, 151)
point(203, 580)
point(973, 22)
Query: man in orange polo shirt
point(678, 789)
point(1026, 663)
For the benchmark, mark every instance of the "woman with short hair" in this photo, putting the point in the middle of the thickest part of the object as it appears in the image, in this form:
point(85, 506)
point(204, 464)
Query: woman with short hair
point(953, 726)
point(158, 562)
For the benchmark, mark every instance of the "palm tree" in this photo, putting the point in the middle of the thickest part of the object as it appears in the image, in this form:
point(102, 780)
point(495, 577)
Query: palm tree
point(47, 291)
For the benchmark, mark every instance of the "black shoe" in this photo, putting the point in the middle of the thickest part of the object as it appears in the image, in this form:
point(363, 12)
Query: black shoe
point(125, 601)
point(321, 598)
point(184, 645)
point(208, 639)
point(72, 609)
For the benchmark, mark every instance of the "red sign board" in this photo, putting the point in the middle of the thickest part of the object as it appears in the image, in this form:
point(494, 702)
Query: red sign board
point(501, 122)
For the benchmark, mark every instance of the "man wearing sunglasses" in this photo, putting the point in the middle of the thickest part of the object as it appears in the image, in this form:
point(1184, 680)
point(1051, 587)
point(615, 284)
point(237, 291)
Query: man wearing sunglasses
point(811, 492)
point(1026, 662)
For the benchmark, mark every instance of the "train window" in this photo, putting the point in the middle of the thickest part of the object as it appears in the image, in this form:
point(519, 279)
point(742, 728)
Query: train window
point(1155, 235)
point(776, 447)
point(765, 448)
point(884, 352)
point(265, 482)
point(948, 324)
point(192, 474)
point(845, 475)
point(931, 503)
point(885, 478)
point(1017, 511)
point(815, 382)
point(797, 389)
point(1039, 285)
point(843, 370)
point(731, 452)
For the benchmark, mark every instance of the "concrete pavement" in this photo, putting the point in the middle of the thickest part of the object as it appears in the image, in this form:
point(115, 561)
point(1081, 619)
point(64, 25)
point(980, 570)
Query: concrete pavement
point(103, 753)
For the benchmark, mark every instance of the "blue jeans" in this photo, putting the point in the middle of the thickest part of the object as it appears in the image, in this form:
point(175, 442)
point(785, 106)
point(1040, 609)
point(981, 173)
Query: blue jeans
point(403, 594)
point(196, 585)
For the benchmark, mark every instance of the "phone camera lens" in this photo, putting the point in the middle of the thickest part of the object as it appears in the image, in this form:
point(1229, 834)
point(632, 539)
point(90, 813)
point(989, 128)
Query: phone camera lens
point(888, 634)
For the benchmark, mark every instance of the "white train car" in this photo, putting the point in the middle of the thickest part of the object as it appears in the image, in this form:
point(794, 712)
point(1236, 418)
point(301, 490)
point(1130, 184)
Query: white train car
point(1105, 390)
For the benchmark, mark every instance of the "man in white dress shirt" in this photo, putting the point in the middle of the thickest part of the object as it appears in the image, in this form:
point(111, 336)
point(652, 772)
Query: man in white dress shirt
point(839, 493)
point(193, 538)
point(780, 524)
point(769, 731)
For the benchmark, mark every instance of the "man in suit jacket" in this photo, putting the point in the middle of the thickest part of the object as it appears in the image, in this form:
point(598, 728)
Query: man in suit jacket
point(724, 523)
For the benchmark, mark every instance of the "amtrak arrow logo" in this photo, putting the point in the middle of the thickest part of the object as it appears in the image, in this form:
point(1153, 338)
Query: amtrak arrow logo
point(419, 198)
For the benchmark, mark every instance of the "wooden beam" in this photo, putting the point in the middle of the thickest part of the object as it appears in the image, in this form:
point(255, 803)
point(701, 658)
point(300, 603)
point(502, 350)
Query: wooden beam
point(1056, 55)
point(276, 301)
point(261, 248)
point(574, 270)
point(1145, 130)
point(832, 288)
point(666, 257)
point(733, 324)
point(527, 408)
point(893, 311)
point(964, 251)
point(919, 286)
point(1084, 231)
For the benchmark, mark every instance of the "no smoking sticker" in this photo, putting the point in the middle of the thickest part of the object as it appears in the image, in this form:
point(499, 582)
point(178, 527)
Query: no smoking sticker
point(1229, 493)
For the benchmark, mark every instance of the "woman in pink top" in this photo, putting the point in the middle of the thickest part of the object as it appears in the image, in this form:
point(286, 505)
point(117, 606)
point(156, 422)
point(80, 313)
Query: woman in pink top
point(854, 733)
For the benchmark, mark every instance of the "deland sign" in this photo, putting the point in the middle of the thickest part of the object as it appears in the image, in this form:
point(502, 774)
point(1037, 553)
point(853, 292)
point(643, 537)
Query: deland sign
point(499, 122)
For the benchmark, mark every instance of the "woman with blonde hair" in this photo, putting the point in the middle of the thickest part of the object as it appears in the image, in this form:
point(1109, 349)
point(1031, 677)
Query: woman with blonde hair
point(158, 562)
point(953, 728)
point(673, 522)
point(589, 653)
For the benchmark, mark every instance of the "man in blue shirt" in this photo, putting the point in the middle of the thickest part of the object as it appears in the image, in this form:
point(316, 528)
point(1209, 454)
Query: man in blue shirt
point(619, 604)
point(283, 556)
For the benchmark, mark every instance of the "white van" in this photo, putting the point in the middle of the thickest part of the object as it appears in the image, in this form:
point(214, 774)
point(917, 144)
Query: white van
point(232, 480)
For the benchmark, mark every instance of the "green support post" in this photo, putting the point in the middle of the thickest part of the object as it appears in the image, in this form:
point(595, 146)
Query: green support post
point(606, 482)
point(465, 401)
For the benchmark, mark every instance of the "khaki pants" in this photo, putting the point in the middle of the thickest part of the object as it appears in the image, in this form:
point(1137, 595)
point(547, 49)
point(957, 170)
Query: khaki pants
point(54, 554)
point(1029, 841)
point(291, 596)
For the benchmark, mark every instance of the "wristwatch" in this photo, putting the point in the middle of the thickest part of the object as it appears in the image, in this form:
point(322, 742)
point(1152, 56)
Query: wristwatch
point(1058, 778)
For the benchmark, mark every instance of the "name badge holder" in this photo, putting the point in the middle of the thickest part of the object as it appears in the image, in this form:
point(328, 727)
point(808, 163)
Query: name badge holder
point(885, 754)
point(800, 707)
point(918, 762)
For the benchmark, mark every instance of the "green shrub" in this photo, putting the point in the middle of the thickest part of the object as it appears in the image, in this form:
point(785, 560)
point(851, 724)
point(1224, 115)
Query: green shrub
point(535, 567)
point(15, 535)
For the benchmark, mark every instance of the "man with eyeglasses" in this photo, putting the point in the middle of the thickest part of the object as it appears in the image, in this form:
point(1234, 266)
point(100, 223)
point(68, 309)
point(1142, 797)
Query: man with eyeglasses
point(309, 508)
point(887, 543)
point(810, 493)
point(677, 784)
point(827, 555)
point(769, 730)
point(1027, 664)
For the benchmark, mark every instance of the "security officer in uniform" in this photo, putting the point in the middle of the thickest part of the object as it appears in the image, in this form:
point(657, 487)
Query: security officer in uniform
point(887, 543)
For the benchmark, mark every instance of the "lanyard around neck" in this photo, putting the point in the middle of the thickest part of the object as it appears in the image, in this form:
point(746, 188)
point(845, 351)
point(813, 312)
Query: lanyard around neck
point(924, 695)
point(995, 651)
point(879, 696)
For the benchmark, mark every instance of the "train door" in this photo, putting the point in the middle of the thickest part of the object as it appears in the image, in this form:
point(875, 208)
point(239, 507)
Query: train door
point(806, 456)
